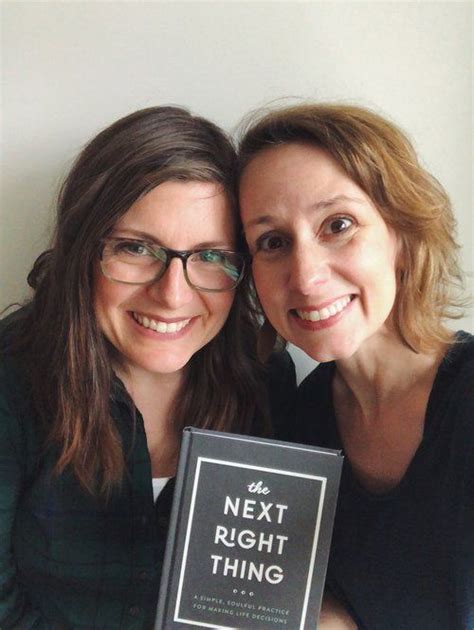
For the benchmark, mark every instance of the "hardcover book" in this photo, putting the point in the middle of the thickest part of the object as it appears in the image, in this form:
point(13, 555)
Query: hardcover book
point(249, 534)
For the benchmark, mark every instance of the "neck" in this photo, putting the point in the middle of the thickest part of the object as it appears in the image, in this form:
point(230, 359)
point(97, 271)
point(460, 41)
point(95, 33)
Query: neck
point(149, 390)
point(155, 396)
point(381, 370)
point(136, 376)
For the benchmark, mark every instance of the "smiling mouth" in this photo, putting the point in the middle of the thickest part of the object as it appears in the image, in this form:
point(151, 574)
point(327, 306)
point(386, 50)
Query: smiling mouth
point(325, 313)
point(159, 326)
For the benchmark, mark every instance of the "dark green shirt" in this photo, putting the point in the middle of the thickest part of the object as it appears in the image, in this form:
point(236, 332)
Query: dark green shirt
point(68, 560)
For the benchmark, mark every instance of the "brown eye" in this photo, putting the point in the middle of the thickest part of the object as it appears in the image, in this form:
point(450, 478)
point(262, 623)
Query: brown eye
point(341, 224)
point(274, 242)
point(132, 247)
point(271, 243)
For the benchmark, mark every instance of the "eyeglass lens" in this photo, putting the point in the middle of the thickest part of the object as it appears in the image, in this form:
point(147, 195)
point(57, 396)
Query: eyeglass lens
point(135, 262)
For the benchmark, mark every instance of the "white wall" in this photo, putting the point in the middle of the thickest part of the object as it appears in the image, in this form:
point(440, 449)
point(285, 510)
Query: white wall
point(71, 68)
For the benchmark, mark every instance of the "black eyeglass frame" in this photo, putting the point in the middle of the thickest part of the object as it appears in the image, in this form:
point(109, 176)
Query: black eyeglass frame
point(183, 255)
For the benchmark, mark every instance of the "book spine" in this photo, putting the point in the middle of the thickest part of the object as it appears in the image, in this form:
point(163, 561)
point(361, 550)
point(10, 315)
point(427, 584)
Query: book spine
point(163, 599)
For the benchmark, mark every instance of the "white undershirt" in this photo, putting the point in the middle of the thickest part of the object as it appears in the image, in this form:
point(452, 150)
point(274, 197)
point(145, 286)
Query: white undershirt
point(158, 484)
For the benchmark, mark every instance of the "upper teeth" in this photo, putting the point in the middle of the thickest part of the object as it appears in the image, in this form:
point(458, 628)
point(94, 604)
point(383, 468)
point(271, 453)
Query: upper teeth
point(161, 327)
point(326, 312)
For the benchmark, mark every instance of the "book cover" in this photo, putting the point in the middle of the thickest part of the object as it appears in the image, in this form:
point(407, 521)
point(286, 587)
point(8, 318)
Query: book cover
point(249, 534)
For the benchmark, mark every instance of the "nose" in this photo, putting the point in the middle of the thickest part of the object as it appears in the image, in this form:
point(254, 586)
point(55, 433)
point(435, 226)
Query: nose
point(172, 290)
point(309, 268)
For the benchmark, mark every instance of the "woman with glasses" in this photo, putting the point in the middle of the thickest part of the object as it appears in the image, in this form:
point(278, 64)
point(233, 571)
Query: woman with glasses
point(354, 261)
point(141, 323)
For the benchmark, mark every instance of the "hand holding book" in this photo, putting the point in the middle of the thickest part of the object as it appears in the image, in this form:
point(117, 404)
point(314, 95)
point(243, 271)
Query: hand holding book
point(334, 616)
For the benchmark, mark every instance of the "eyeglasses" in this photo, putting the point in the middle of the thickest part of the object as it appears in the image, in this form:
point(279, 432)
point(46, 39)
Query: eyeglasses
point(131, 261)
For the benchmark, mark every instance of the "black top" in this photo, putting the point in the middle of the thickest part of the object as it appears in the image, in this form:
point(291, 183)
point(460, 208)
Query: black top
point(404, 560)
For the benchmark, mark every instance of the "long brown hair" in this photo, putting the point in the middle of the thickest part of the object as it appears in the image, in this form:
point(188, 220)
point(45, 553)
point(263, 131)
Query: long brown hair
point(69, 358)
point(380, 159)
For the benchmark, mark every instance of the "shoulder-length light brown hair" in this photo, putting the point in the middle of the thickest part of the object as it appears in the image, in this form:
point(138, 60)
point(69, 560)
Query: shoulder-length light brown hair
point(380, 159)
point(70, 359)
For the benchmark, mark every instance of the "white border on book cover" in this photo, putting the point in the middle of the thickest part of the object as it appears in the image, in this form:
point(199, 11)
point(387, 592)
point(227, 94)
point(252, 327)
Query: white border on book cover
point(221, 462)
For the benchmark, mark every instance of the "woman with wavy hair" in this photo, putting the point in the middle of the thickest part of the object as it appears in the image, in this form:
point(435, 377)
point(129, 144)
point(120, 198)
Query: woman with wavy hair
point(141, 323)
point(354, 261)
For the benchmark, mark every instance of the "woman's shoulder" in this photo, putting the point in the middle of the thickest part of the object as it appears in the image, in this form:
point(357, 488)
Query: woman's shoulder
point(13, 365)
point(452, 398)
point(458, 363)
point(11, 325)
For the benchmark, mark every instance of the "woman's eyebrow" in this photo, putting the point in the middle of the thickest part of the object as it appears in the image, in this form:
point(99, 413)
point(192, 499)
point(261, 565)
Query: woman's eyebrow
point(261, 220)
point(152, 240)
point(130, 232)
point(333, 201)
point(265, 219)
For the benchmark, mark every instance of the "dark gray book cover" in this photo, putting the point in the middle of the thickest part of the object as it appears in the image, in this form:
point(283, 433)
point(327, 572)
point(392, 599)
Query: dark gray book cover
point(249, 535)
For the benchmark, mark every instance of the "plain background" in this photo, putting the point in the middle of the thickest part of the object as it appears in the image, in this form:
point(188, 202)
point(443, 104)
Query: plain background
point(71, 68)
